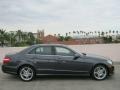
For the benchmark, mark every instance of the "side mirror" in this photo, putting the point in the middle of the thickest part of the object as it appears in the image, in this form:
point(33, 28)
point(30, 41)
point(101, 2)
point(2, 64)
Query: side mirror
point(76, 56)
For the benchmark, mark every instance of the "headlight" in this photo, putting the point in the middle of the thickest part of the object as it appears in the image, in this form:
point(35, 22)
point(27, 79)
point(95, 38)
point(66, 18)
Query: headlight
point(109, 61)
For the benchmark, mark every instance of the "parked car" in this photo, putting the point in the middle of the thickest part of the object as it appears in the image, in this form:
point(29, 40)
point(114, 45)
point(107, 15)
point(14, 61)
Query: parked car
point(55, 59)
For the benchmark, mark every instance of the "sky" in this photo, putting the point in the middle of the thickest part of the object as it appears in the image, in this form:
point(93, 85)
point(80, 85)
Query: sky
point(60, 16)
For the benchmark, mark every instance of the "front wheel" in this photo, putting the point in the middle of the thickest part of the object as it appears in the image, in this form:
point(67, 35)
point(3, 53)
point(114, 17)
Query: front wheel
point(26, 73)
point(100, 72)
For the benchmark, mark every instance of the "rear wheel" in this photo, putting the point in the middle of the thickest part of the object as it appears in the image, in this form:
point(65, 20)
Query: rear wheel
point(100, 72)
point(26, 73)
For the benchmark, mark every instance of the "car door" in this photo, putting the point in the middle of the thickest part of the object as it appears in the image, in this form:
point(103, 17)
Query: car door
point(44, 59)
point(67, 63)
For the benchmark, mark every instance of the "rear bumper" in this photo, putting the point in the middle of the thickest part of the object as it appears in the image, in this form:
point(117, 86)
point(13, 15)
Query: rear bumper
point(9, 69)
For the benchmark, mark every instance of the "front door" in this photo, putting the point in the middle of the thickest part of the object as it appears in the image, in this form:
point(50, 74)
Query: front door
point(67, 63)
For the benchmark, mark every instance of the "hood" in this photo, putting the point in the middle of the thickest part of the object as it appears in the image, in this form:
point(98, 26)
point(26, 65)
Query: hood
point(95, 56)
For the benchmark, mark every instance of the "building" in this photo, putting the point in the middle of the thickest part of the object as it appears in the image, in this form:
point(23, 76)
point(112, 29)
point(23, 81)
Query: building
point(76, 41)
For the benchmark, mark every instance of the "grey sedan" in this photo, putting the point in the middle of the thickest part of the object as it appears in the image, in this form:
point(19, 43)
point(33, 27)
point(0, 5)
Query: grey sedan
point(54, 59)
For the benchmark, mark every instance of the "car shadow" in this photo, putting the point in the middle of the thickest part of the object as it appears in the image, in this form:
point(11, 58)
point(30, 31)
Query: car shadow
point(55, 77)
point(50, 77)
point(62, 77)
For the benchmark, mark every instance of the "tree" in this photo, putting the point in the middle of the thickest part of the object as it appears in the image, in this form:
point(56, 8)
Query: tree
point(106, 33)
point(117, 32)
point(109, 31)
point(74, 32)
point(99, 33)
point(66, 34)
point(3, 37)
point(67, 38)
point(19, 35)
point(61, 38)
point(107, 39)
point(31, 38)
point(102, 34)
point(77, 32)
point(12, 39)
point(69, 33)
point(58, 34)
point(113, 31)
point(95, 32)
point(24, 36)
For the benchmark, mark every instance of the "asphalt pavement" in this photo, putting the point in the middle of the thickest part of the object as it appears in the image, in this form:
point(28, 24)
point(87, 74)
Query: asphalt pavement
point(10, 82)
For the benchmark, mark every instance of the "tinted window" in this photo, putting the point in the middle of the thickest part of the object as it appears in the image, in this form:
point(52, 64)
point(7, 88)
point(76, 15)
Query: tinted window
point(42, 50)
point(63, 51)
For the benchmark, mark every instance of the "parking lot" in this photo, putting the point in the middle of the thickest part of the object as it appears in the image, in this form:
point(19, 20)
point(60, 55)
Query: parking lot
point(9, 82)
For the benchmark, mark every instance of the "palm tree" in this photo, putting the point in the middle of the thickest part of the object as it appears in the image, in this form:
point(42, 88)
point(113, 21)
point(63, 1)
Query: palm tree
point(87, 34)
point(3, 37)
point(106, 33)
point(117, 32)
point(109, 32)
point(102, 34)
point(95, 32)
point(84, 33)
point(30, 38)
point(12, 36)
point(77, 32)
point(74, 32)
point(24, 36)
point(66, 34)
point(113, 31)
point(58, 34)
point(99, 33)
point(19, 35)
point(92, 34)
point(69, 33)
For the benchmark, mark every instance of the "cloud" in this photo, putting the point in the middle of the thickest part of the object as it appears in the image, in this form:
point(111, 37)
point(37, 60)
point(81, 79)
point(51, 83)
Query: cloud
point(60, 15)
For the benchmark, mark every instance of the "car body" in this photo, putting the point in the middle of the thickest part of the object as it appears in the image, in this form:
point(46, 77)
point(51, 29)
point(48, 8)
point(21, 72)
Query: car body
point(55, 59)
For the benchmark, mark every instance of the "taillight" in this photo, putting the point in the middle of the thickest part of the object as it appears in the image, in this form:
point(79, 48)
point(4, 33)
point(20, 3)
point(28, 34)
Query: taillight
point(6, 60)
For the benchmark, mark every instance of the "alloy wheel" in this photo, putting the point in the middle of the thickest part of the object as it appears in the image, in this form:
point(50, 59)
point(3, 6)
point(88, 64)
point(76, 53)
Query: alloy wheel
point(26, 73)
point(100, 72)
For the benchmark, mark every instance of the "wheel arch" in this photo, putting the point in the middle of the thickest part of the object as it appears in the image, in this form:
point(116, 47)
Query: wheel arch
point(97, 65)
point(25, 65)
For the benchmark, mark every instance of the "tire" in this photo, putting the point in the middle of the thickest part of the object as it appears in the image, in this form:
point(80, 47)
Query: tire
point(100, 72)
point(26, 73)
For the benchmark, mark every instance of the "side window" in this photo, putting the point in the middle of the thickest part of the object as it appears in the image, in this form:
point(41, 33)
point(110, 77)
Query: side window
point(63, 51)
point(42, 50)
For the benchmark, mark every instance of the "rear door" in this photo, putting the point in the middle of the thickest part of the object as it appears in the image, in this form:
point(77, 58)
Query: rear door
point(44, 59)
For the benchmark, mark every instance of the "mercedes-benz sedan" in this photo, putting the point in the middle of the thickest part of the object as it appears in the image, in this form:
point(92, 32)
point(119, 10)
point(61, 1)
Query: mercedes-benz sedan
point(54, 59)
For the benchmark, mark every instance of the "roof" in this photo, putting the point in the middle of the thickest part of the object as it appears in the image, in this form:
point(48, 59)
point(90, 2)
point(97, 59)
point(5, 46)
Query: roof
point(49, 45)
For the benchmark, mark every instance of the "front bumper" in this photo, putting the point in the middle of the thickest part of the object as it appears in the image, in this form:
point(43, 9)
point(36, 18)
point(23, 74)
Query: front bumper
point(111, 69)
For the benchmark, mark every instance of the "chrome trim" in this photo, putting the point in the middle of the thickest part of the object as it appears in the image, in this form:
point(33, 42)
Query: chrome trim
point(61, 70)
point(64, 74)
